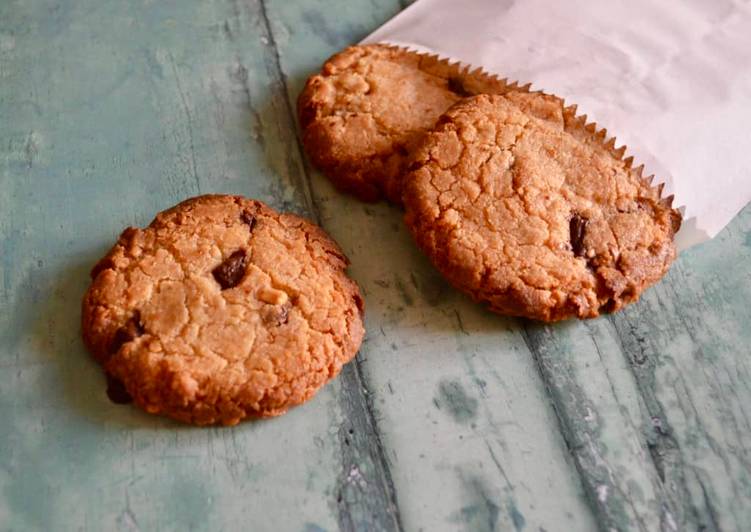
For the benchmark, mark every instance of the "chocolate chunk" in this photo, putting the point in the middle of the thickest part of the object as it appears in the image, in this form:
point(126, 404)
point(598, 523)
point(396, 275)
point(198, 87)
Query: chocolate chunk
point(249, 219)
point(230, 272)
point(117, 392)
point(283, 315)
point(132, 329)
point(577, 228)
point(276, 315)
point(456, 86)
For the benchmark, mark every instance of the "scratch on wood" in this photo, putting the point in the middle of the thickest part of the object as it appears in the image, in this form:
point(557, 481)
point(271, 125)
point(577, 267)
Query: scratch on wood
point(499, 466)
point(240, 76)
point(127, 520)
point(460, 323)
point(708, 504)
point(189, 119)
point(31, 149)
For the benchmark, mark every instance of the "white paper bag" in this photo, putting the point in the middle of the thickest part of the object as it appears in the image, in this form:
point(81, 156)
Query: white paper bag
point(672, 80)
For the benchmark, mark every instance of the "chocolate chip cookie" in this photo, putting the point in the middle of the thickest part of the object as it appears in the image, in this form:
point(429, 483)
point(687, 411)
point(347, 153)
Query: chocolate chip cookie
point(361, 116)
point(222, 309)
point(535, 218)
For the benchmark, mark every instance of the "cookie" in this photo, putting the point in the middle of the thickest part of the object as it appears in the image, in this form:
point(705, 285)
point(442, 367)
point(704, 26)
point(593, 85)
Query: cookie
point(222, 309)
point(370, 104)
point(536, 219)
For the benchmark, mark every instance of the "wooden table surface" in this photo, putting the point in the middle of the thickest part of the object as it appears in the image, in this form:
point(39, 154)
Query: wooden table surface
point(451, 418)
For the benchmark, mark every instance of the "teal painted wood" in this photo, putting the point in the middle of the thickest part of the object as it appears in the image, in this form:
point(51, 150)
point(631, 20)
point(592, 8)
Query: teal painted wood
point(473, 441)
point(451, 418)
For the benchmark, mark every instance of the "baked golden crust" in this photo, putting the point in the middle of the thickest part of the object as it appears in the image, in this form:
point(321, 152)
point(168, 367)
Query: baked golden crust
point(369, 106)
point(222, 309)
point(537, 218)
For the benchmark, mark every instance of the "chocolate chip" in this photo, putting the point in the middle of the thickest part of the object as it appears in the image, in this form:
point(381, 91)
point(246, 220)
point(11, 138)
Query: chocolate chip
point(132, 329)
point(276, 315)
point(283, 315)
point(230, 272)
point(577, 227)
point(456, 86)
point(249, 219)
point(117, 392)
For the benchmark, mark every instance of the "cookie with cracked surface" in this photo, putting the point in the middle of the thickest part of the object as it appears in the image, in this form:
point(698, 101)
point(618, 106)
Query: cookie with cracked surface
point(536, 219)
point(370, 104)
point(222, 309)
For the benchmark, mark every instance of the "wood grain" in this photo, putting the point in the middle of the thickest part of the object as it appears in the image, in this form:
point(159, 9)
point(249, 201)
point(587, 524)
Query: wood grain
point(450, 419)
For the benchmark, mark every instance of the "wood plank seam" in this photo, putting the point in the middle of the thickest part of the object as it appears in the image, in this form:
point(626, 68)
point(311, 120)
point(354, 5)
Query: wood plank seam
point(354, 399)
point(608, 512)
point(664, 450)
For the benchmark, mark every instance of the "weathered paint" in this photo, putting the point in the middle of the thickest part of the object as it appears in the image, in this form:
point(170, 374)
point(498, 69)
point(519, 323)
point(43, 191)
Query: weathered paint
point(451, 417)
